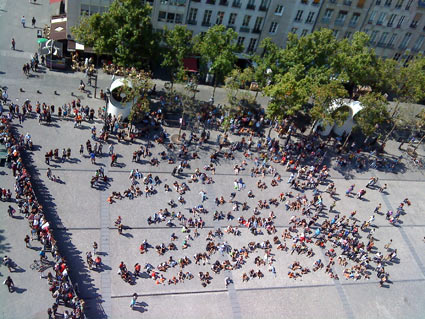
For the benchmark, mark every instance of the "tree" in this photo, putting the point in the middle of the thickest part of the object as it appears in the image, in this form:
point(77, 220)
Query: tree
point(287, 95)
point(266, 65)
point(373, 113)
point(324, 99)
point(124, 31)
point(355, 62)
point(406, 83)
point(135, 90)
point(420, 125)
point(178, 45)
point(312, 55)
point(237, 83)
point(218, 46)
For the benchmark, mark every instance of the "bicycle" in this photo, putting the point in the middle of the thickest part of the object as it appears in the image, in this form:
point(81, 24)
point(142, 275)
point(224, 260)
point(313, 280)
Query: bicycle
point(39, 266)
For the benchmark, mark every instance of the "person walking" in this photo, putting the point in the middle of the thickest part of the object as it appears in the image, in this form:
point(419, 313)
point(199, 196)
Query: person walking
point(113, 159)
point(203, 195)
point(13, 43)
point(93, 157)
point(23, 21)
point(94, 248)
point(49, 173)
point(133, 301)
point(33, 21)
point(9, 283)
point(27, 241)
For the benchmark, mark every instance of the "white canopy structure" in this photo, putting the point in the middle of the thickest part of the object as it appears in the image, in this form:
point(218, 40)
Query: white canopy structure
point(115, 104)
point(353, 108)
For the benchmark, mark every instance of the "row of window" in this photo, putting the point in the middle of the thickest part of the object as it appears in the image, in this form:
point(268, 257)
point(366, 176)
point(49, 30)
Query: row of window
point(342, 15)
point(170, 17)
point(398, 4)
point(392, 18)
point(340, 19)
point(251, 46)
point(406, 59)
point(386, 41)
point(238, 4)
point(219, 19)
point(309, 19)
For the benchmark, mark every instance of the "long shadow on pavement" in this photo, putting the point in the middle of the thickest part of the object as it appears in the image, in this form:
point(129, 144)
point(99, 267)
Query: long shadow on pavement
point(79, 272)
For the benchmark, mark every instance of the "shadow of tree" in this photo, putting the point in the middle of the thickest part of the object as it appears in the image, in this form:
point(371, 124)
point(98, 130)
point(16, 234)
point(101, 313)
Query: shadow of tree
point(4, 246)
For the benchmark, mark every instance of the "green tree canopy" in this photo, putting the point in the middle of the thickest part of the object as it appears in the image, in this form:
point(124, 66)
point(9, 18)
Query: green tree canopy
point(136, 87)
point(375, 111)
point(267, 65)
point(236, 84)
point(178, 43)
point(287, 95)
point(218, 46)
point(124, 31)
point(355, 62)
point(405, 83)
point(324, 99)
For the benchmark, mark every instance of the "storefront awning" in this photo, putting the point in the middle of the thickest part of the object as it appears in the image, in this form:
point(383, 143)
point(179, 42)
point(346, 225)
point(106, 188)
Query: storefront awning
point(190, 64)
point(73, 46)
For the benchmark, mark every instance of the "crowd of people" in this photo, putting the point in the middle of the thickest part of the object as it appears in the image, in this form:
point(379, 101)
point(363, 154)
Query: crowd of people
point(313, 225)
point(310, 226)
point(58, 281)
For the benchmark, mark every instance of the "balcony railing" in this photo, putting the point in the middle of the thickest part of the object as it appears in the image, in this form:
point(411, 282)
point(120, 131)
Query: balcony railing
point(326, 20)
point(244, 29)
point(236, 4)
point(352, 24)
point(206, 23)
point(192, 22)
point(250, 6)
point(232, 27)
point(262, 8)
point(339, 22)
point(224, 3)
point(211, 2)
point(256, 31)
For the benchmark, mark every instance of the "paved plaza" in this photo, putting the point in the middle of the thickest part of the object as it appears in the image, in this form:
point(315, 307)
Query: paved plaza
point(81, 215)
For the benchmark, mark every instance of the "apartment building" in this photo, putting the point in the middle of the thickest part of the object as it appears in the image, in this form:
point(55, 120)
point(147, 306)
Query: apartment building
point(396, 27)
point(254, 20)
point(290, 16)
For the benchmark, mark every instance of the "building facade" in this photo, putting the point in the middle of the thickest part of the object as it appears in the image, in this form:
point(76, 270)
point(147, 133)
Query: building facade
point(396, 27)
